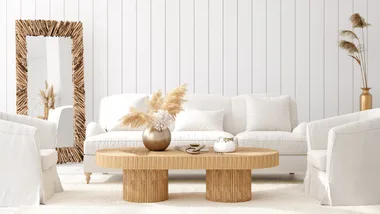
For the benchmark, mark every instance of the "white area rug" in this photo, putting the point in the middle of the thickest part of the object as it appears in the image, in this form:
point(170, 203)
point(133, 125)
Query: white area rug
point(271, 194)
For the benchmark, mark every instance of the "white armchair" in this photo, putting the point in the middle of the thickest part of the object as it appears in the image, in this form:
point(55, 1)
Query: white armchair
point(343, 159)
point(63, 118)
point(27, 161)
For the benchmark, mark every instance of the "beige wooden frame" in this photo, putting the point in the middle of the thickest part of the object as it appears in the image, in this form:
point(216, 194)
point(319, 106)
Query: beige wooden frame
point(46, 28)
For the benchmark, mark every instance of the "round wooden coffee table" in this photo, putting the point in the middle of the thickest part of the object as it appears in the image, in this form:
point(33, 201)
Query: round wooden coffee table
point(145, 173)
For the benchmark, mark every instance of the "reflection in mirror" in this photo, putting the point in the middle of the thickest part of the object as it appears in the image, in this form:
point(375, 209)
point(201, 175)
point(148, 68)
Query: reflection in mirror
point(49, 59)
point(50, 87)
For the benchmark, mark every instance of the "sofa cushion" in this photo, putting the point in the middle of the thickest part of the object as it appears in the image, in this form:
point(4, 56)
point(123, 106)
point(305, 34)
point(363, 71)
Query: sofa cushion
point(268, 113)
point(118, 139)
point(196, 120)
point(317, 158)
point(284, 142)
point(49, 158)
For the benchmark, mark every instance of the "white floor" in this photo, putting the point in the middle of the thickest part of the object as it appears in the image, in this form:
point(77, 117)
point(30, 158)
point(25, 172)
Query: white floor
point(271, 194)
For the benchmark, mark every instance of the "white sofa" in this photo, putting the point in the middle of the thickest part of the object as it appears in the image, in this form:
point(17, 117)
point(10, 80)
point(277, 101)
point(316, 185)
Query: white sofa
point(343, 159)
point(27, 161)
point(291, 145)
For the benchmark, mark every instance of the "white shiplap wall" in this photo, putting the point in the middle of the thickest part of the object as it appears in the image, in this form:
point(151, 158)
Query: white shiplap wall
point(216, 46)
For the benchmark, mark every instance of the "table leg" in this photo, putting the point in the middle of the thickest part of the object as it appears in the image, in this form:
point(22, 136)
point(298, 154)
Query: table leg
point(145, 185)
point(228, 185)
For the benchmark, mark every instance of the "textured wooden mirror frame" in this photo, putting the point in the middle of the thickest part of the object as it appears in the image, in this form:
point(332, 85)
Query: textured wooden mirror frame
point(46, 28)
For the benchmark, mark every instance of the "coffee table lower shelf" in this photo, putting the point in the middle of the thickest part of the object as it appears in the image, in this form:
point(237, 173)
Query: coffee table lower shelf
point(147, 186)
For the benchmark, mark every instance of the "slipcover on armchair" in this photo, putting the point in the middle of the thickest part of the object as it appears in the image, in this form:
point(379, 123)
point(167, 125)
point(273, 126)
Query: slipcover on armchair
point(344, 160)
point(27, 161)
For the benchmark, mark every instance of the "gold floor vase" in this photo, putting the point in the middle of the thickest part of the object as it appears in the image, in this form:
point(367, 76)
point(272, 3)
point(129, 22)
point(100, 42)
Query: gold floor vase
point(365, 100)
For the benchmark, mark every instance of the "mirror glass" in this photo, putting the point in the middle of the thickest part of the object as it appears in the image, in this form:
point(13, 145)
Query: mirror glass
point(49, 61)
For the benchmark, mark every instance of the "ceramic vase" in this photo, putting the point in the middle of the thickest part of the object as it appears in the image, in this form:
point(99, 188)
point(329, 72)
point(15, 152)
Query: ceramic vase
point(225, 145)
point(156, 140)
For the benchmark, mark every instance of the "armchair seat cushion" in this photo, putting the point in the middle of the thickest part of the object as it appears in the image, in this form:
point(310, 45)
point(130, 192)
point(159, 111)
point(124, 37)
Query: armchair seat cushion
point(49, 158)
point(284, 142)
point(118, 139)
point(317, 158)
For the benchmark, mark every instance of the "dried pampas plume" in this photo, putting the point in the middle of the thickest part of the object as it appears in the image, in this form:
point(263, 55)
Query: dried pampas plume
point(154, 104)
point(358, 21)
point(174, 100)
point(348, 46)
point(136, 118)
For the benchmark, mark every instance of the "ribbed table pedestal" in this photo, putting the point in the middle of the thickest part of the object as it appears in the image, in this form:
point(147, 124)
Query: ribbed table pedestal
point(228, 185)
point(145, 185)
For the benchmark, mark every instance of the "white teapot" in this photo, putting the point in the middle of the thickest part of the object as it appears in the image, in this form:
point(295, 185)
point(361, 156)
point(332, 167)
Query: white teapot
point(225, 145)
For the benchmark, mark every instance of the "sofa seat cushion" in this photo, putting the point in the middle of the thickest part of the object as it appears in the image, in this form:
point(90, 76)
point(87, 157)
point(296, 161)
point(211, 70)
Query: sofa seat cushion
point(118, 139)
point(284, 142)
point(49, 158)
point(317, 158)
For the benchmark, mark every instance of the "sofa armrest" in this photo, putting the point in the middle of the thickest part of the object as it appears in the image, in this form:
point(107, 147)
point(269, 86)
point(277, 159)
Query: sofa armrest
point(94, 129)
point(318, 131)
point(300, 129)
point(353, 149)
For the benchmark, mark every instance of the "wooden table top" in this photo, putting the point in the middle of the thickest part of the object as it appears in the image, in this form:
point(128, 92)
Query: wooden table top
point(142, 158)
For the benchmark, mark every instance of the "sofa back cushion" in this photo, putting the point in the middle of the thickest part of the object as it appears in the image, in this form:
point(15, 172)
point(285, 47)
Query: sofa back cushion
point(114, 107)
point(239, 113)
point(197, 120)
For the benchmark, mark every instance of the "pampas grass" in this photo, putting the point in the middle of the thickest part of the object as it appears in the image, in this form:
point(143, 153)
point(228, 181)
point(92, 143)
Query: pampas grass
point(356, 47)
point(157, 108)
point(47, 96)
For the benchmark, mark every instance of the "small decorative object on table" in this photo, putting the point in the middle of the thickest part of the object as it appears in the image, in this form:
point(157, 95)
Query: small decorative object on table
point(161, 113)
point(357, 50)
point(225, 145)
point(193, 149)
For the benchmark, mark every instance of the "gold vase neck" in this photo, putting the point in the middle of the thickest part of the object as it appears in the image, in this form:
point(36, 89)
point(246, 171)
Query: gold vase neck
point(366, 89)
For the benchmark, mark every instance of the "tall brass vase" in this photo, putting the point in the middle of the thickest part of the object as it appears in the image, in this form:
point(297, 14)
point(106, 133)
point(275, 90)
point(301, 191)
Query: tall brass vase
point(365, 99)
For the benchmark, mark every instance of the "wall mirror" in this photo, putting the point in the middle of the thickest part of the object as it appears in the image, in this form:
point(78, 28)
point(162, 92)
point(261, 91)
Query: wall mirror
point(50, 80)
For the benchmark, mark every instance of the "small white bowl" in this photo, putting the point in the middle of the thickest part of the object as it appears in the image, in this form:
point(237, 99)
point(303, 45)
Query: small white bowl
point(222, 146)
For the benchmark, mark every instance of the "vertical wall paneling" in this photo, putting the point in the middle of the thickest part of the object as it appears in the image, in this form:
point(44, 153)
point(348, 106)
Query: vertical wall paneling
point(3, 56)
point(216, 46)
point(28, 9)
point(57, 10)
point(86, 14)
point(158, 45)
point(360, 6)
point(100, 53)
point(230, 47)
point(129, 53)
point(201, 46)
point(274, 46)
point(345, 62)
point(374, 51)
point(42, 9)
point(288, 44)
point(317, 71)
point(71, 10)
point(259, 46)
point(13, 13)
point(331, 51)
point(172, 44)
point(115, 46)
point(144, 46)
point(187, 44)
point(302, 59)
point(244, 47)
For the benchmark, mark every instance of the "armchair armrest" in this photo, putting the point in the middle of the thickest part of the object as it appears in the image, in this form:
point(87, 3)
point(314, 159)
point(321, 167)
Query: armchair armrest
point(353, 149)
point(47, 129)
point(300, 129)
point(94, 129)
point(318, 131)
